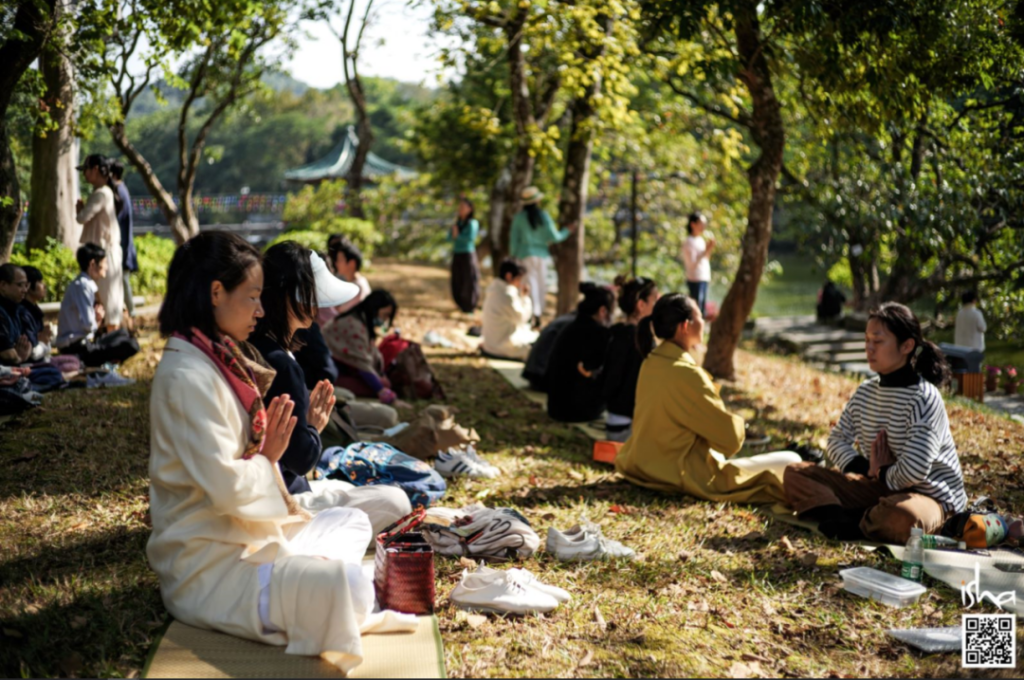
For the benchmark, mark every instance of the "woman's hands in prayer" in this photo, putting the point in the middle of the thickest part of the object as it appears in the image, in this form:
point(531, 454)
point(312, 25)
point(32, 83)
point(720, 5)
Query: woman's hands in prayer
point(321, 404)
point(881, 454)
point(280, 425)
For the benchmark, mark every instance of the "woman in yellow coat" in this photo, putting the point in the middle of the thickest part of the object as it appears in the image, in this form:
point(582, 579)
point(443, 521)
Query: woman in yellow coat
point(681, 428)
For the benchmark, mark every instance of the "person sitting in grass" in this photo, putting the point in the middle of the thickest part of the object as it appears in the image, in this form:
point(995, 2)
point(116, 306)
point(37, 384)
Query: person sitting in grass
point(295, 283)
point(575, 375)
point(15, 347)
point(232, 549)
point(32, 321)
point(508, 312)
point(637, 298)
point(352, 339)
point(895, 463)
point(682, 431)
point(82, 316)
point(347, 260)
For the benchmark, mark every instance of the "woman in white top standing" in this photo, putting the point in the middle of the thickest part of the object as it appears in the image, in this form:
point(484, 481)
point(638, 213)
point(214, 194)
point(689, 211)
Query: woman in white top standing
point(696, 253)
point(98, 217)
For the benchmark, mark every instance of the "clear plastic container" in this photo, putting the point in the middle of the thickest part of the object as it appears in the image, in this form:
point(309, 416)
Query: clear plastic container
point(882, 587)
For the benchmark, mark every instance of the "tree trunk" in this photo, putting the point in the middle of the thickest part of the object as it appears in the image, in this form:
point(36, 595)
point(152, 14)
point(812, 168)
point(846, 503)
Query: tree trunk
point(496, 215)
point(769, 135)
point(354, 182)
point(573, 202)
point(164, 199)
point(33, 21)
point(53, 184)
point(10, 210)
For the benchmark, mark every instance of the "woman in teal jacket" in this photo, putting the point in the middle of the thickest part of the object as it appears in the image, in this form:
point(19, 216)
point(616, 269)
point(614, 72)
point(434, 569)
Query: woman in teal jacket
point(533, 231)
point(465, 269)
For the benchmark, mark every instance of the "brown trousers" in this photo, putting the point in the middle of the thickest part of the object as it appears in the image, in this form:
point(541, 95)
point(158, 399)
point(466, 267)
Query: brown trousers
point(889, 515)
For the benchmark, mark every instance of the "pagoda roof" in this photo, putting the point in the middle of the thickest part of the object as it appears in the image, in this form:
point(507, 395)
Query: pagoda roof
point(338, 161)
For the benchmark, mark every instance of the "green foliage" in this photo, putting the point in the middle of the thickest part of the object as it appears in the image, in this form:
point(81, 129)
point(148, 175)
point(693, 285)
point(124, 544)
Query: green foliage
point(154, 257)
point(59, 267)
point(56, 262)
point(314, 240)
point(318, 209)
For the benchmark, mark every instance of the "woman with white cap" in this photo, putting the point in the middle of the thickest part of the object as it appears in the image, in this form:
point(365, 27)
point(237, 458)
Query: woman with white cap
point(296, 282)
point(533, 232)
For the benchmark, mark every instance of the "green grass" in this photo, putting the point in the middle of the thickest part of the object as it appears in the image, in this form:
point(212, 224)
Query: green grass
point(716, 591)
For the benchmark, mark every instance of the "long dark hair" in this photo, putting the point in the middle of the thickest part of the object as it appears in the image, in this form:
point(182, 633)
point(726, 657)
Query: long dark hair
point(207, 257)
point(105, 166)
point(926, 358)
point(373, 303)
point(670, 311)
point(632, 291)
point(288, 289)
point(594, 298)
point(535, 215)
point(460, 222)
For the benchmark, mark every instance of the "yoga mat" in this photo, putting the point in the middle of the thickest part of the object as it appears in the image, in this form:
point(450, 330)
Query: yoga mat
point(187, 652)
point(512, 372)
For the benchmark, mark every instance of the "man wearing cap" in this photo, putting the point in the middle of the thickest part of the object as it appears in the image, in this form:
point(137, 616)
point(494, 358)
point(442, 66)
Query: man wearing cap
point(533, 232)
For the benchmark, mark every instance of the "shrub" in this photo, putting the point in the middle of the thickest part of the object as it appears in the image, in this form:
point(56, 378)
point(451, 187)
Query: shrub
point(59, 267)
point(318, 209)
point(154, 257)
point(313, 240)
point(56, 262)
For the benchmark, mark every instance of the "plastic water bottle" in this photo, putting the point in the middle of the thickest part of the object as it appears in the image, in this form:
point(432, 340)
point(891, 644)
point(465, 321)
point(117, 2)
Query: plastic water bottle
point(913, 557)
point(932, 541)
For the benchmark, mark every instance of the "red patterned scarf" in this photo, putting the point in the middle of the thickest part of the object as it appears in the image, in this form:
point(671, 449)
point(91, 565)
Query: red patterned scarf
point(234, 366)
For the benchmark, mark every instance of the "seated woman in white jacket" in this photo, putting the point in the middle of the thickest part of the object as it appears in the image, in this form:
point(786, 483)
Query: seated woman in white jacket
point(232, 549)
point(507, 315)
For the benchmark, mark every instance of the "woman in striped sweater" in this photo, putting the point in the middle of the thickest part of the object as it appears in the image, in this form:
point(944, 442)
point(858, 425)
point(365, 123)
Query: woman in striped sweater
point(896, 463)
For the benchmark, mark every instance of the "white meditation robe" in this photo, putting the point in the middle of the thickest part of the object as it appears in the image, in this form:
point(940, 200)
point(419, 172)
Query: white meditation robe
point(217, 517)
point(506, 321)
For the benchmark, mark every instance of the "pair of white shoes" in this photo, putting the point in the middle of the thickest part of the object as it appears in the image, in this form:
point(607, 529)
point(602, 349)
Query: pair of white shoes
point(109, 379)
point(464, 462)
point(516, 591)
point(585, 542)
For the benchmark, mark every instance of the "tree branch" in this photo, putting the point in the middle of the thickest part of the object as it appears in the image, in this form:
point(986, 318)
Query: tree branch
point(742, 119)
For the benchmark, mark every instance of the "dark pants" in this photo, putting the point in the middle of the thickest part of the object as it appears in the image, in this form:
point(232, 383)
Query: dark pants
point(115, 348)
point(466, 281)
point(699, 292)
point(888, 515)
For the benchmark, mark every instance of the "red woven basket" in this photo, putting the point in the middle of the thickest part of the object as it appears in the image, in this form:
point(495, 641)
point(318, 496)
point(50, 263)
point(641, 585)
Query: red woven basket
point(404, 567)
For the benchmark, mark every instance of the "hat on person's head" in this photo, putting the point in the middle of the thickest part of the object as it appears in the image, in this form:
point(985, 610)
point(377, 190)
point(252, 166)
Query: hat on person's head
point(330, 290)
point(93, 160)
point(531, 195)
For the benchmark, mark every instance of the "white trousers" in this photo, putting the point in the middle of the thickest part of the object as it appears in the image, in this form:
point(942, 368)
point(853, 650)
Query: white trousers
point(537, 277)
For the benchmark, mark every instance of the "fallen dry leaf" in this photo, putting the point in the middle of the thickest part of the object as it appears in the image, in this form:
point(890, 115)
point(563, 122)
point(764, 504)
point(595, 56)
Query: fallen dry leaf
point(587, 659)
point(467, 563)
point(476, 620)
point(576, 475)
point(745, 670)
point(786, 544)
point(599, 620)
point(684, 555)
point(718, 576)
point(809, 559)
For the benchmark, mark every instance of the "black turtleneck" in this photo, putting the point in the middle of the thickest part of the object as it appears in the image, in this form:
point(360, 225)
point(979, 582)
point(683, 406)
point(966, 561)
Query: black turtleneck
point(901, 377)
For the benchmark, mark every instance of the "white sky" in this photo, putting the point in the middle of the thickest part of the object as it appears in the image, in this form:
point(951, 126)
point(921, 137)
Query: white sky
point(396, 45)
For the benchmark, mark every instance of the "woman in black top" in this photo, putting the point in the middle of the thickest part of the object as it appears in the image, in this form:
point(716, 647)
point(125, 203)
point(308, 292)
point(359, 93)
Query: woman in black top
point(622, 369)
point(575, 374)
point(289, 303)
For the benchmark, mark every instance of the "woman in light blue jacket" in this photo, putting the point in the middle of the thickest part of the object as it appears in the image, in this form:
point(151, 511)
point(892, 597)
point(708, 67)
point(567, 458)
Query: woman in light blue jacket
point(533, 231)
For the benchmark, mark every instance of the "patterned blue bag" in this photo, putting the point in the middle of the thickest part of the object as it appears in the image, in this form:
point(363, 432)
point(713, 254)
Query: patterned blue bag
point(369, 463)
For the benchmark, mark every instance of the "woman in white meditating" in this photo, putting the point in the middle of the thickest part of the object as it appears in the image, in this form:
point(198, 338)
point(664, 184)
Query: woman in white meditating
point(233, 550)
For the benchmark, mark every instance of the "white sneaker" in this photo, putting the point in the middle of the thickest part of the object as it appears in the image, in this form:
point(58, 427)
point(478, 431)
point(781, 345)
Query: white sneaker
point(524, 576)
point(109, 379)
point(454, 463)
point(585, 543)
point(498, 593)
point(475, 457)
